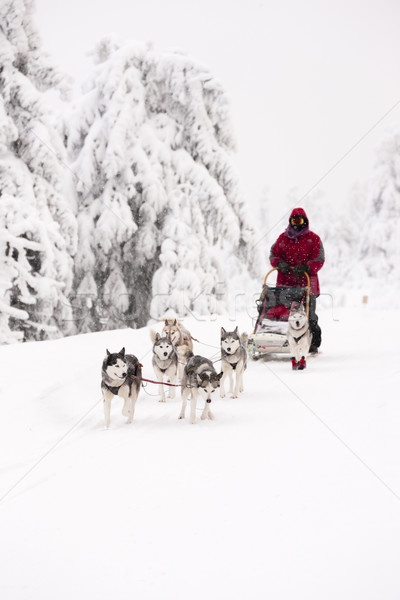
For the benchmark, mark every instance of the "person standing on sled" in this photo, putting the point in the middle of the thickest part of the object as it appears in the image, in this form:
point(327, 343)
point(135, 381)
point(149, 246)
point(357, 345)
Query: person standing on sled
point(297, 251)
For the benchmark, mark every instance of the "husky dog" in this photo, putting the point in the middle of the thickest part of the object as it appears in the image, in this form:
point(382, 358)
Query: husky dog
point(121, 375)
point(200, 380)
point(299, 336)
point(233, 360)
point(165, 361)
point(182, 341)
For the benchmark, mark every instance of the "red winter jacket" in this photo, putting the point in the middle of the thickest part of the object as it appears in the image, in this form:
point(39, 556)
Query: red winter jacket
point(307, 249)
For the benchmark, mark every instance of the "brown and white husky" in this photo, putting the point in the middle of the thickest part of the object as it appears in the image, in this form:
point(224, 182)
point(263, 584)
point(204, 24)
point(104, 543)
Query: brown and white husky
point(181, 339)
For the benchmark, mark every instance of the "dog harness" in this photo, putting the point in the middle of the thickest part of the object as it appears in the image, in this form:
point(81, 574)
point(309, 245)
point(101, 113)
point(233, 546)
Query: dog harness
point(113, 390)
point(299, 338)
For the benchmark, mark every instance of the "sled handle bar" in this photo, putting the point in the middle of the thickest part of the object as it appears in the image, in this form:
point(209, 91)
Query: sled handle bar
point(308, 287)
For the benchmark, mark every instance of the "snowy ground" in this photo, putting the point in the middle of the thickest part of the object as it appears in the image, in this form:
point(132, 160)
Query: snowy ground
point(293, 492)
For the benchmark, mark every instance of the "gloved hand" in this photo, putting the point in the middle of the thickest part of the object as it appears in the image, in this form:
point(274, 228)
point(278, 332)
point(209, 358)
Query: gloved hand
point(283, 267)
point(298, 270)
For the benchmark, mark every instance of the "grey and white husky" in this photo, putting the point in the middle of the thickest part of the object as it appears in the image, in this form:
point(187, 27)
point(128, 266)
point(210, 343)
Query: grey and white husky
point(233, 360)
point(165, 362)
point(299, 336)
point(200, 380)
point(121, 375)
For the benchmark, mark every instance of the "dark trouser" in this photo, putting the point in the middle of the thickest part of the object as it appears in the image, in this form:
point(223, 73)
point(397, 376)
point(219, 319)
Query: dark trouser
point(313, 319)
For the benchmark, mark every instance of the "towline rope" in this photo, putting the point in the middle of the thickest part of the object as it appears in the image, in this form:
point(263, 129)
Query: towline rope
point(158, 382)
point(203, 343)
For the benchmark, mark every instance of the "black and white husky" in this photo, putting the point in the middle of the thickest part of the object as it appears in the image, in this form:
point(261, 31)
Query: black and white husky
point(299, 336)
point(233, 360)
point(200, 380)
point(121, 375)
point(165, 362)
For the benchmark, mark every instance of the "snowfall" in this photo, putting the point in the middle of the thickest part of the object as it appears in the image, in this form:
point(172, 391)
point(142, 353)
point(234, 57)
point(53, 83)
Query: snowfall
point(292, 492)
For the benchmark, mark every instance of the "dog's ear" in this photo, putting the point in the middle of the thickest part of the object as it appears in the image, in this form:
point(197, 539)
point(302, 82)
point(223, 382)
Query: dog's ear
point(108, 352)
point(223, 332)
point(202, 377)
point(294, 306)
point(219, 376)
point(158, 336)
point(153, 335)
point(122, 352)
point(237, 330)
point(174, 323)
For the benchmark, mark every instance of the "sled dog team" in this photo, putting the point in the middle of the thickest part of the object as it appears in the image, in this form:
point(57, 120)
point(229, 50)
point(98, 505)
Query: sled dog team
point(173, 361)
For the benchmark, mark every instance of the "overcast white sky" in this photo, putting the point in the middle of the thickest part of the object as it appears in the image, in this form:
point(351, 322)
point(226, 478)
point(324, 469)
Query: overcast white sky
point(306, 78)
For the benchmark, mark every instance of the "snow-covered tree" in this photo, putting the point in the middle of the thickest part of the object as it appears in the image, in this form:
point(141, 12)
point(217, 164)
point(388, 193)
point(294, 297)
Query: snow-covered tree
point(37, 227)
point(159, 203)
point(376, 261)
point(362, 243)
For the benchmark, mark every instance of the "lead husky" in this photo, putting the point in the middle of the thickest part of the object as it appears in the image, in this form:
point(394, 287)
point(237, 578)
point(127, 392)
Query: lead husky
point(181, 339)
point(121, 375)
point(233, 360)
point(299, 336)
point(165, 362)
point(199, 380)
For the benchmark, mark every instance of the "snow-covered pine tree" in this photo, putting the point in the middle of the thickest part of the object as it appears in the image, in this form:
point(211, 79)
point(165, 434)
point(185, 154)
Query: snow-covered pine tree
point(377, 253)
point(37, 227)
point(159, 205)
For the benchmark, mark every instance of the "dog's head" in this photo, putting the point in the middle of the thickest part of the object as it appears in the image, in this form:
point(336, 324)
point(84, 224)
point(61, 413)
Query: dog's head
point(171, 328)
point(163, 346)
point(115, 365)
point(230, 340)
point(297, 316)
point(208, 383)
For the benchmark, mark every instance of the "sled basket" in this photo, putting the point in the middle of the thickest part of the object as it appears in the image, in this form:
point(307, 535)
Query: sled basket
point(273, 306)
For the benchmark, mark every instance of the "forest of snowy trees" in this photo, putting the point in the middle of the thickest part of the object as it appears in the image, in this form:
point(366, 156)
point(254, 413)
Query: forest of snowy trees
point(127, 204)
point(131, 207)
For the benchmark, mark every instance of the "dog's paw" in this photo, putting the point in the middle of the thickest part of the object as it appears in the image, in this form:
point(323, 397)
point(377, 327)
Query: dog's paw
point(161, 400)
point(222, 395)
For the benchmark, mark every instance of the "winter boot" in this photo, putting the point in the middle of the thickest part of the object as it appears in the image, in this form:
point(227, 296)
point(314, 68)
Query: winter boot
point(302, 364)
point(294, 364)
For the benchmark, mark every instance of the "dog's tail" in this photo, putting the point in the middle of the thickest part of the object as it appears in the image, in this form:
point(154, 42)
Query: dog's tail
point(244, 338)
point(185, 353)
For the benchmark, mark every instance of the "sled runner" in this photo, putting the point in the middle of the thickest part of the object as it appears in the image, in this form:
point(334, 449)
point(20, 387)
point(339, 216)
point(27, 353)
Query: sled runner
point(270, 331)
